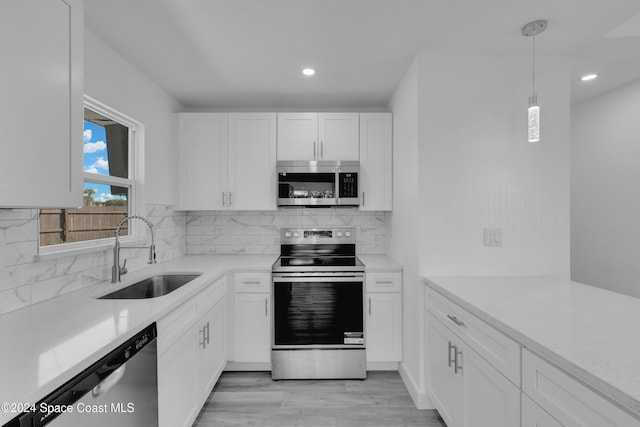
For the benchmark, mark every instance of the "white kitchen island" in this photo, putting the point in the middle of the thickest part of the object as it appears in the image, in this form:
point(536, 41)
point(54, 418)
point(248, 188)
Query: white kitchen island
point(586, 332)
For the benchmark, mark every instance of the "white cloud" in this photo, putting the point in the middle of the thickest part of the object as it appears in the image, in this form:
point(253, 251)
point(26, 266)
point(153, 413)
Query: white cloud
point(87, 134)
point(100, 163)
point(93, 147)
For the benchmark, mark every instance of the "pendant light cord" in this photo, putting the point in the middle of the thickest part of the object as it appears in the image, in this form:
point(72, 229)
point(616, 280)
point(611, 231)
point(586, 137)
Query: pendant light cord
point(533, 68)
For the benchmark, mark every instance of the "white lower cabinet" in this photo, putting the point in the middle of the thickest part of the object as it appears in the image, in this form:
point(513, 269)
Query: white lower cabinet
point(191, 357)
point(252, 320)
point(383, 317)
point(568, 401)
point(534, 416)
point(466, 390)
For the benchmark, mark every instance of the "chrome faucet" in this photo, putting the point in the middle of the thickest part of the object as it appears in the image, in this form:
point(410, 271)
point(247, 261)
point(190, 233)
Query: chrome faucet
point(117, 270)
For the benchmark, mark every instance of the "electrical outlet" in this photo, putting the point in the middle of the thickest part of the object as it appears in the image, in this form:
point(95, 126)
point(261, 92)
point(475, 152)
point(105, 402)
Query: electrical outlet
point(492, 237)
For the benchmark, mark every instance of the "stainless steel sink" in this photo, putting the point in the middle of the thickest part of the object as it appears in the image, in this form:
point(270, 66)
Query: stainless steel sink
point(152, 287)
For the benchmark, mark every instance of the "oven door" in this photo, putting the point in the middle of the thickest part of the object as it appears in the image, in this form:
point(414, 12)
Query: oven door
point(318, 311)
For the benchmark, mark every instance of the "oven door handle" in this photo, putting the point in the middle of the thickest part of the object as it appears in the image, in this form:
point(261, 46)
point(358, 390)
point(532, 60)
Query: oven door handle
point(289, 279)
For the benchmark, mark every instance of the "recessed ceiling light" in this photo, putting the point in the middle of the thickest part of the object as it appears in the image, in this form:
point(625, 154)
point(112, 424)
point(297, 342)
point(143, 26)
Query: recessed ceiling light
point(308, 71)
point(588, 77)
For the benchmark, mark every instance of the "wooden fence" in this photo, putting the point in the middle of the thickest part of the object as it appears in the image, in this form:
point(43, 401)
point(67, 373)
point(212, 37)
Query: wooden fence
point(74, 225)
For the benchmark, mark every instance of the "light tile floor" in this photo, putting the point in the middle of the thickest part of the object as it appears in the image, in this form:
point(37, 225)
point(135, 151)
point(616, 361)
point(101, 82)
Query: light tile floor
point(254, 399)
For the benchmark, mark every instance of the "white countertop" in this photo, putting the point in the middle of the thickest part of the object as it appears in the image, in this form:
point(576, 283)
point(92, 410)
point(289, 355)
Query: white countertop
point(374, 263)
point(589, 332)
point(46, 344)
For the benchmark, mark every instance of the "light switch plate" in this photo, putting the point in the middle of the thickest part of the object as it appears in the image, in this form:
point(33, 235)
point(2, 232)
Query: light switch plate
point(492, 237)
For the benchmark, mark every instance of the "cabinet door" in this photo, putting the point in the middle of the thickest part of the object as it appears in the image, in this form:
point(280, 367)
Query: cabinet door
point(252, 161)
point(535, 416)
point(384, 327)
point(203, 161)
point(445, 387)
point(339, 136)
point(490, 399)
point(376, 162)
point(252, 328)
point(41, 108)
point(211, 346)
point(178, 393)
point(297, 136)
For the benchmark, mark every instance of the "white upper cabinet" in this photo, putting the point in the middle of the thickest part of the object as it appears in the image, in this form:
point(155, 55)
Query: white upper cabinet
point(297, 136)
point(41, 82)
point(227, 161)
point(338, 136)
point(252, 161)
point(203, 161)
point(376, 162)
point(318, 136)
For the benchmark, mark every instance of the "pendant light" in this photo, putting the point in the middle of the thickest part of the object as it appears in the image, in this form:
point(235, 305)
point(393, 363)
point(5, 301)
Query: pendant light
point(532, 29)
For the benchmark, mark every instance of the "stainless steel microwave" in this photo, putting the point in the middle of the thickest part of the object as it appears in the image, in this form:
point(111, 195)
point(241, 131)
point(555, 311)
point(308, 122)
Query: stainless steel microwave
point(318, 183)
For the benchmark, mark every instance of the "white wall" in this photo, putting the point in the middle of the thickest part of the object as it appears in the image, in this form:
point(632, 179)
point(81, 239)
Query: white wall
point(462, 163)
point(477, 169)
point(115, 82)
point(605, 195)
point(402, 244)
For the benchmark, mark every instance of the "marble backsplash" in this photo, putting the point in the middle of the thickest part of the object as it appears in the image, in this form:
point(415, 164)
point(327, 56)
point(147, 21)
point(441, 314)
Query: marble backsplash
point(258, 232)
point(25, 279)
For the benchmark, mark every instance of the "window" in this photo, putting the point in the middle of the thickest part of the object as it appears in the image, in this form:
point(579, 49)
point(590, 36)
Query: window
point(109, 183)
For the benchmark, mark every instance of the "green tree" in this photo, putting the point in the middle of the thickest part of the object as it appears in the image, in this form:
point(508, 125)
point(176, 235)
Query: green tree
point(88, 196)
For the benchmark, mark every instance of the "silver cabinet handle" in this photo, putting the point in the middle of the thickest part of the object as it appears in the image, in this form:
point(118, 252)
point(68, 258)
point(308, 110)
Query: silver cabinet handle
point(204, 337)
point(251, 282)
point(369, 306)
point(455, 320)
point(457, 367)
point(229, 198)
point(363, 198)
point(315, 156)
point(223, 201)
point(266, 311)
point(451, 347)
point(208, 333)
point(321, 150)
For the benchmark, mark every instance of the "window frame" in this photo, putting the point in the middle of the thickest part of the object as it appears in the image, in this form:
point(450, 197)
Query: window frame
point(135, 201)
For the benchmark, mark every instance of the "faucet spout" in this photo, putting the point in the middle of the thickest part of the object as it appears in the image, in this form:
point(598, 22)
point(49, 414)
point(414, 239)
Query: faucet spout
point(116, 270)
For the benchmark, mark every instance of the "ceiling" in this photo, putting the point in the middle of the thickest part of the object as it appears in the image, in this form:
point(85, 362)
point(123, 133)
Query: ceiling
point(248, 54)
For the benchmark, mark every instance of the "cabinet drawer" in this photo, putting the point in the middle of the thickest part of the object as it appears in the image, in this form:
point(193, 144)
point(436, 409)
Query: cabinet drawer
point(213, 293)
point(175, 324)
point(567, 400)
point(384, 282)
point(252, 282)
point(498, 349)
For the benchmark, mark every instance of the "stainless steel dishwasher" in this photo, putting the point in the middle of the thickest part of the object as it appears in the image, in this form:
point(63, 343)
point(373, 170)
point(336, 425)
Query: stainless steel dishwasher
point(121, 389)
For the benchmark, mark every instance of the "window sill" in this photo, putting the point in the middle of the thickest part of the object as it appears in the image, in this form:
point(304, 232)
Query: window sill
point(103, 246)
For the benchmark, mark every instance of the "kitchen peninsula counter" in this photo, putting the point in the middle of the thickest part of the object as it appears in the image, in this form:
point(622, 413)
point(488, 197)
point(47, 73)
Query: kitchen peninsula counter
point(589, 332)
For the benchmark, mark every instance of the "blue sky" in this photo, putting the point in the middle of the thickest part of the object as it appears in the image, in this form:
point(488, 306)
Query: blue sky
point(96, 160)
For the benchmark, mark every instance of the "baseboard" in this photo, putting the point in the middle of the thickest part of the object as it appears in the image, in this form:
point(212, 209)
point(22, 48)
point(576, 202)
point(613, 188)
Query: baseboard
point(248, 366)
point(382, 366)
point(419, 396)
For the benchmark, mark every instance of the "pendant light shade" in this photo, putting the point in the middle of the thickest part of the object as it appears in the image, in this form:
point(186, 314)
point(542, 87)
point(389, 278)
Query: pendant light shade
point(532, 29)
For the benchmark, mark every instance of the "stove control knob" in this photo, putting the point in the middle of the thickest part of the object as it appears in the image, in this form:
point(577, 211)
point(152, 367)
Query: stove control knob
point(287, 234)
point(347, 234)
point(339, 234)
point(296, 234)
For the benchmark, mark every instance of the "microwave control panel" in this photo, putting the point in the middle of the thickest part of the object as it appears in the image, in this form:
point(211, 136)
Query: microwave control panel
point(348, 185)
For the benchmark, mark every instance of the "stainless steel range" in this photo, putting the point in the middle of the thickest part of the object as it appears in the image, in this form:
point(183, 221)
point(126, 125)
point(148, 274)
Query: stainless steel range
point(318, 306)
